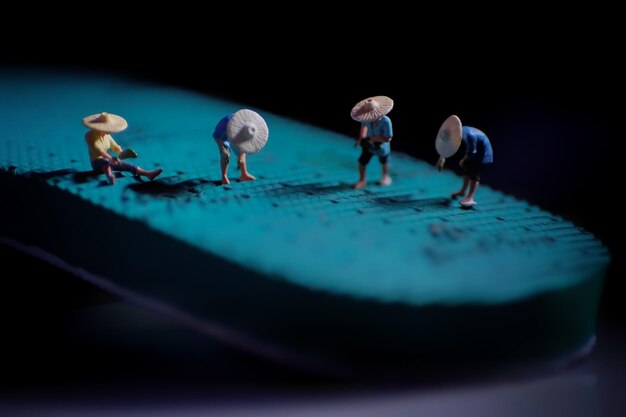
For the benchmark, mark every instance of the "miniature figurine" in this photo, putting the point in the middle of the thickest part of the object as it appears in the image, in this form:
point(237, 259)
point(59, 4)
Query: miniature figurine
point(247, 132)
point(478, 154)
point(99, 141)
point(375, 134)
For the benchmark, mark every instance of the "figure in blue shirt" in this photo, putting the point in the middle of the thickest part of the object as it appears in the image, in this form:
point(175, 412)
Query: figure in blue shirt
point(375, 134)
point(223, 144)
point(478, 156)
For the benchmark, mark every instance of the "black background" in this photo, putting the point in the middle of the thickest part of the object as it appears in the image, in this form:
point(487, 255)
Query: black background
point(545, 87)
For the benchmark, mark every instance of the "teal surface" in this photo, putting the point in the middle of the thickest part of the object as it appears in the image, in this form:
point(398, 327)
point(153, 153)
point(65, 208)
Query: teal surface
point(300, 221)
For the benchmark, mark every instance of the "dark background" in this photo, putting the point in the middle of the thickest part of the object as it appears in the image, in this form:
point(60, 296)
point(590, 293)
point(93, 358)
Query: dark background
point(547, 91)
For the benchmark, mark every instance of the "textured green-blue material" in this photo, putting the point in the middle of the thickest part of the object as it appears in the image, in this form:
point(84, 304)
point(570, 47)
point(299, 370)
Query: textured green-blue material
point(379, 278)
point(300, 221)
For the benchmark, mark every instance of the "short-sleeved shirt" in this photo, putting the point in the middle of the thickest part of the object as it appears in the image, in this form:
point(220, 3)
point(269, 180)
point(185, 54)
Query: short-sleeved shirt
point(380, 127)
point(98, 142)
point(220, 130)
point(221, 136)
point(477, 145)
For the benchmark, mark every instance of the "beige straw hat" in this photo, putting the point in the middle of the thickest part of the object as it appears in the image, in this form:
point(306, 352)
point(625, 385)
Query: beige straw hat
point(105, 122)
point(449, 137)
point(247, 131)
point(371, 108)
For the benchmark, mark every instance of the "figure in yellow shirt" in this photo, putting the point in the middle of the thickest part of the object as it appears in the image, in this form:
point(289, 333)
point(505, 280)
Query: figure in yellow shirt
point(99, 141)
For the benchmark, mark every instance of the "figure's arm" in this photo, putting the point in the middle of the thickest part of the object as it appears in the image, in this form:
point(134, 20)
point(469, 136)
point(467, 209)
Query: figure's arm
point(105, 154)
point(115, 147)
point(440, 163)
point(470, 148)
point(362, 135)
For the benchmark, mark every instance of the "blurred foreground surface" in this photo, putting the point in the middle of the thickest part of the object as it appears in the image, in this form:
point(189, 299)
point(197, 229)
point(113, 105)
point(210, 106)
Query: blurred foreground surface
point(70, 354)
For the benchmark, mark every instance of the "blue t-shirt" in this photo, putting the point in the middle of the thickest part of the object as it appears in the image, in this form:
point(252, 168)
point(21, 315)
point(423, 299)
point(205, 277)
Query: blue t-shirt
point(477, 145)
point(220, 130)
point(380, 127)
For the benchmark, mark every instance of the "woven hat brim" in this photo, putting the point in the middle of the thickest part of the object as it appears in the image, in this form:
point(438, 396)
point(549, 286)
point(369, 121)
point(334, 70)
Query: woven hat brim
point(113, 124)
point(242, 119)
point(360, 114)
point(453, 128)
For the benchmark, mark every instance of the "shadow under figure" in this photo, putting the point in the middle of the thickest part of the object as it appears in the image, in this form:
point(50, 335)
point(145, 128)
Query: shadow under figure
point(478, 154)
point(99, 141)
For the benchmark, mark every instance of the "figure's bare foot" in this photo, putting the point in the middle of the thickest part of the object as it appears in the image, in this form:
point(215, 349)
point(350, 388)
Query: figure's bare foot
point(457, 194)
point(359, 185)
point(111, 179)
point(467, 202)
point(247, 177)
point(225, 181)
point(386, 180)
point(153, 174)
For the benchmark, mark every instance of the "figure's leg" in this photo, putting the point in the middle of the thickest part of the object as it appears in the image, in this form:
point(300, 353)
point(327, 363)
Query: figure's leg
point(364, 159)
point(385, 179)
point(109, 173)
point(473, 173)
point(224, 161)
point(362, 182)
point(150, 174)
point(469, 200)
point(463, 190)
point(104, 166)
point(245, 175)
point(135, 170)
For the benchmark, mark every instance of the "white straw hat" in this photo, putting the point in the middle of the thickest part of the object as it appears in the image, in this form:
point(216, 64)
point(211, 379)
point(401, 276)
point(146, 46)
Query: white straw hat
point(105, 122)
point(247, 131)
point(449, 137)
point(371, 108)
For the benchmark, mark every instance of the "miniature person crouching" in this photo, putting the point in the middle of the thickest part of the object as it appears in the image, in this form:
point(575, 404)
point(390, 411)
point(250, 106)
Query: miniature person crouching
point(478, 154)
point(375, 134)
point(99, 141)
point(242, 132)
